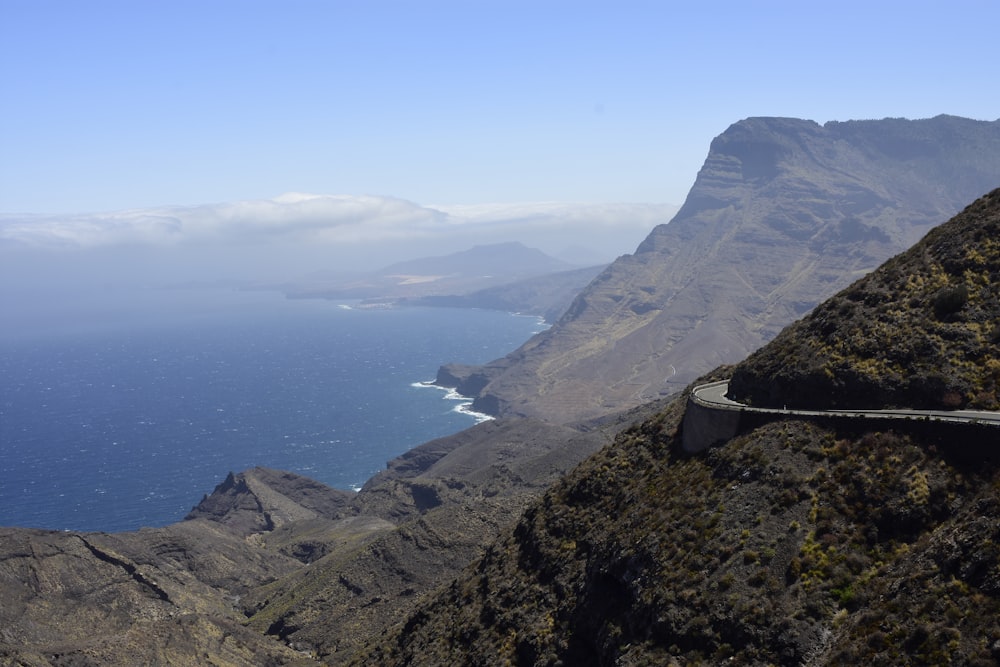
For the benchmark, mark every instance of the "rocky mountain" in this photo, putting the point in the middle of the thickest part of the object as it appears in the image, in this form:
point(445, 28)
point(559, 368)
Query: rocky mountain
point(155, 596)
point(784, 213)
point(798, 542)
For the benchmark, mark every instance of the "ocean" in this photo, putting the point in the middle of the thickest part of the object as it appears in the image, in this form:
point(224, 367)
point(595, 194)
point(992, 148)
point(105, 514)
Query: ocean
point(126, 416)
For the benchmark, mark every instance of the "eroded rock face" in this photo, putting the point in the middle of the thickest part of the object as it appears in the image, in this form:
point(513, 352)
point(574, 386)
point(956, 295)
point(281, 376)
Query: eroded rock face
point(784, 213)
point(168, 595)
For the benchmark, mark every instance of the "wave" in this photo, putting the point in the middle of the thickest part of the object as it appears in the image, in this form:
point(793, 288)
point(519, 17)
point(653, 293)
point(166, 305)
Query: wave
point(451, 395)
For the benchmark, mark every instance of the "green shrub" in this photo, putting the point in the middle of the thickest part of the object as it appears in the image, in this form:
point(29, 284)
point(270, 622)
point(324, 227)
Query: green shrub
point(950, 300)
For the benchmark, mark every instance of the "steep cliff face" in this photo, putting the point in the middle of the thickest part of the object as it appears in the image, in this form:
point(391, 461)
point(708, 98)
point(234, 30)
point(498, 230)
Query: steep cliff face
point(795, 543)
point(784, 213)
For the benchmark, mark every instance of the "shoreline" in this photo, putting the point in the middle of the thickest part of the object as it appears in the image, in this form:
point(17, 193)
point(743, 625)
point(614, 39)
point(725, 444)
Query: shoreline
point(452, 395)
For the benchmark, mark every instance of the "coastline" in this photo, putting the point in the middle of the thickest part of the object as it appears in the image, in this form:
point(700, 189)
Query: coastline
point(451, 394)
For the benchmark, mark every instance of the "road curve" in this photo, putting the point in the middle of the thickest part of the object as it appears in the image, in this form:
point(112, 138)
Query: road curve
point(713, 396)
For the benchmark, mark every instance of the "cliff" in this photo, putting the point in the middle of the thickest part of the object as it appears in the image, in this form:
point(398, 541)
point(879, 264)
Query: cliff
point(784, 213)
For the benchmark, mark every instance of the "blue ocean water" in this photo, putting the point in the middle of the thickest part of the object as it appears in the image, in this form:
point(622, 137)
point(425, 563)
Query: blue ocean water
point(127, 418)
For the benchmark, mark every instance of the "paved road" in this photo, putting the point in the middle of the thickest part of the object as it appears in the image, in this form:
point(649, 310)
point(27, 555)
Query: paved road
point(713, 395)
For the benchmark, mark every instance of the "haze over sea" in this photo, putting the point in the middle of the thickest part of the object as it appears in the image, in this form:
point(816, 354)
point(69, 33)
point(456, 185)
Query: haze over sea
point(126, 417)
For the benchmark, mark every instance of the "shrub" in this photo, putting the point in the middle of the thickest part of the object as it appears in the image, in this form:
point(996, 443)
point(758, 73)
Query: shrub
point(950, 300)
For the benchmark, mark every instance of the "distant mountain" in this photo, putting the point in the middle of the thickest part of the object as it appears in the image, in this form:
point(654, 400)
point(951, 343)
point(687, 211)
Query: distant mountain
point(546, 296)
point(480, 267)
point(512, 260)
point(798, 542)
point(783, 214)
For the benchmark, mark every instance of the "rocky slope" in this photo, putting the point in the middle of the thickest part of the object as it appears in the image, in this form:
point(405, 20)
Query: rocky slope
point(793, 544)
point(784, 213)
point(272, 567)
point(922, 331)
point(163, 596)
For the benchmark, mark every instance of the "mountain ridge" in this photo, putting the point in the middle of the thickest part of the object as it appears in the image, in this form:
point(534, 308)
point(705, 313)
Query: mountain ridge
point(460, 273)
point(783, 213)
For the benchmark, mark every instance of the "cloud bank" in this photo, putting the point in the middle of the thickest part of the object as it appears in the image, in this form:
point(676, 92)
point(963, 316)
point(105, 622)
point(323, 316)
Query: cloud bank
point(325, 219)
point(297, 235)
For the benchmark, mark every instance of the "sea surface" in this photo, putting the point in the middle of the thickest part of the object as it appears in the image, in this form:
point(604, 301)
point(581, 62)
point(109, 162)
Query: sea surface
point(124, 416)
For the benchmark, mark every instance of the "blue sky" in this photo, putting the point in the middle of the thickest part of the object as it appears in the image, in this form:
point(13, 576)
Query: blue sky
point(114, 105)
point(238, 139)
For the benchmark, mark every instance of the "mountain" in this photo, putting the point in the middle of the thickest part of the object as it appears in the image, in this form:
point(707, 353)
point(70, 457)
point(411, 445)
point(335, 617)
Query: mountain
point(155, 596)
point(783, 214)
point(801, 541)
point(477, 268)
point(546, 296)
point(509, 259)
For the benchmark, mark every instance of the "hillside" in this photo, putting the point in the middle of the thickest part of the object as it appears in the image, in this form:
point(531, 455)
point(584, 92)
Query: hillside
point(922, 331)
point(793, 544)
point(273, 568)
point(783, 214)
point(546, 296)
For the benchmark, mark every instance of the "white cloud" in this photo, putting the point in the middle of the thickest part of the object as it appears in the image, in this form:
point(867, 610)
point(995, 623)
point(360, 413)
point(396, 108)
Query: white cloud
point(333, 219)
point(293, 216)
point(563, 214)
point(297, 234)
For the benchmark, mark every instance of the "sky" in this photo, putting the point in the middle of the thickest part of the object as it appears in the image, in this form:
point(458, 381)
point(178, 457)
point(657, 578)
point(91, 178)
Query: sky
point(297, 134)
